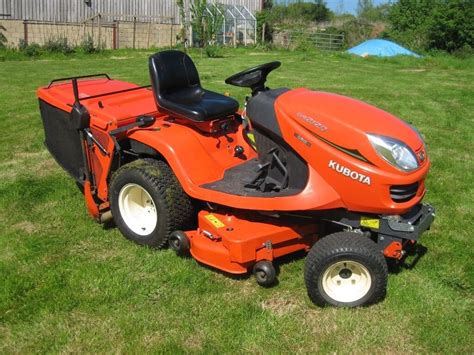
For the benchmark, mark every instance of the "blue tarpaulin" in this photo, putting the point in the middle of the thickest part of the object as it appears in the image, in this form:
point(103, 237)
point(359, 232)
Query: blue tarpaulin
point(380, 48)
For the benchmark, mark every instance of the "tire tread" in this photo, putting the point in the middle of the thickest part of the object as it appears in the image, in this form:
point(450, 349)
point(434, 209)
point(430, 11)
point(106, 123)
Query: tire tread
point(179, 206)
point(340, 243)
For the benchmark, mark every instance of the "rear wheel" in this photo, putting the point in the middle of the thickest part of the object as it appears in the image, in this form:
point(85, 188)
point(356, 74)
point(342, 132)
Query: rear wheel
point(148, 203)
point(345, 270)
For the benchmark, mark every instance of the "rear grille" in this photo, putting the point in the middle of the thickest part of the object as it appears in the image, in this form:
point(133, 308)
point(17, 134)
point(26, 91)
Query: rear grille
point(403, 193)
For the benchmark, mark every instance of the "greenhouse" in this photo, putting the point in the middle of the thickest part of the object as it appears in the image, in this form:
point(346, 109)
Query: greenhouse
point(224, 25)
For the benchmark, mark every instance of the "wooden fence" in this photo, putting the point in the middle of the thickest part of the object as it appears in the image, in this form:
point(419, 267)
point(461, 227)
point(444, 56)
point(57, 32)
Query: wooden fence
point(309, 39)
point(79, 10)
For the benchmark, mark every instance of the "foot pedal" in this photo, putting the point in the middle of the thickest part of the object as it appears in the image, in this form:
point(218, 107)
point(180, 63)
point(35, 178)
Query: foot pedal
point(265, 180)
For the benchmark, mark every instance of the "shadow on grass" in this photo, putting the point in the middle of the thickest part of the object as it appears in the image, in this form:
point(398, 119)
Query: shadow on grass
point(277, 263)
point(411, 259)
point(409, 262)
point(110, 224)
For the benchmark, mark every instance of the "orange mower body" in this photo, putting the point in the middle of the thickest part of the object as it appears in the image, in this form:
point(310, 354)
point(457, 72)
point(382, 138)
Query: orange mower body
point(251, 185)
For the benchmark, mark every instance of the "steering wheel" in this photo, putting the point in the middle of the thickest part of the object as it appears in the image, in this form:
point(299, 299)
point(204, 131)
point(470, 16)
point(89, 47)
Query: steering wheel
point(253, 78)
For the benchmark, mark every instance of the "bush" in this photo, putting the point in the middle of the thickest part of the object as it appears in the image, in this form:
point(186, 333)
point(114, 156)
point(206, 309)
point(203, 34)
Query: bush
point(33, 50)
point(263, 17)
point(58, 45)
point(22, 45)
point(452, 26)
point(465, 52)
point(3, 39)
point(266, 47)
point(409, 22)
point(213, 52)
point(355, 31)
point(433, 24)
point(301, 12)
point(87, 45)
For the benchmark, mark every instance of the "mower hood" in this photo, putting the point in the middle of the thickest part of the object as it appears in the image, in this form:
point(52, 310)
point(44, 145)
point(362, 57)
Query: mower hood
point(344, 121)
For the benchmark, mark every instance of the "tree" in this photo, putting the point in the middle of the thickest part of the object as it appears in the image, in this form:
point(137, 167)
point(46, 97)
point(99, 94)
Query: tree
point(267, 4)
point(408, 15)
point(198, 20)
point(364, 6)
point(452, 26)
point(206, 21)
point(263, 19)
point(300, 13)
point(214, 22)
point(433, 24)
point(313, 12)
point(368, 12)
point(182, 19)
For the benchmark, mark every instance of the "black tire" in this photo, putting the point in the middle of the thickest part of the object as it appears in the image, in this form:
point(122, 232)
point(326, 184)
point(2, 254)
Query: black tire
point(179, 242)
point(173, 207)
point(337, 254)
point(265, 273)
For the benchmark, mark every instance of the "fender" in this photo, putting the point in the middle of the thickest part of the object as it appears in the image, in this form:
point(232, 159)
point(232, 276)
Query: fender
point(191, 162)
point(197, 159)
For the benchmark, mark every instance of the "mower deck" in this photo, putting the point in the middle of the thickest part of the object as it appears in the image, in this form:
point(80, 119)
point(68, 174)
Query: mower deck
point(234, 243)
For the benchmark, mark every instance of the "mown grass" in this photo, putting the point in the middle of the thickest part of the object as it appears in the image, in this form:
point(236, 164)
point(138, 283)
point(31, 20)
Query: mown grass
point(70, 285)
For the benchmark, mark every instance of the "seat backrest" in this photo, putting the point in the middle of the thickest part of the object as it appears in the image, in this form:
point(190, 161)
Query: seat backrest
point(171, 71)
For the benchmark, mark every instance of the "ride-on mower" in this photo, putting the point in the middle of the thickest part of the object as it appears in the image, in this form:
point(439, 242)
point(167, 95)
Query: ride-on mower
point(295, 170)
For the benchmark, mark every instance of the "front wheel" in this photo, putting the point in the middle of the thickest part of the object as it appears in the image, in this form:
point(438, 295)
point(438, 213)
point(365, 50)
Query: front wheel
point(345, 270)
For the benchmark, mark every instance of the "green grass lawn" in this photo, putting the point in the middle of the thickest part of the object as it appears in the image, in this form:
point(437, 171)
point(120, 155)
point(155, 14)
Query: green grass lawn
point(69, 285)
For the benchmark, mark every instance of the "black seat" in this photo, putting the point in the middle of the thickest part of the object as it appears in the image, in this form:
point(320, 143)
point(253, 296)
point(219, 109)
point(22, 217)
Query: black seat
point(177, 89)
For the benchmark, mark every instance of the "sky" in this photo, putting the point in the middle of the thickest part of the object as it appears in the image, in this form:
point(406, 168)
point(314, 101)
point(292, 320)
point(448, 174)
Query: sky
point(349, 6)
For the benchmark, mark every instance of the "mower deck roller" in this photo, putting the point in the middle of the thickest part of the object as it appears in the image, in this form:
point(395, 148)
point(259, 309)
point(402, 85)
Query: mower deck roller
point(295, 170)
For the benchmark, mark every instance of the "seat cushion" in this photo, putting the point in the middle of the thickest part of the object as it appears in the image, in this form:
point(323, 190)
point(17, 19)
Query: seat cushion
point(177, 89)
point(198, 104)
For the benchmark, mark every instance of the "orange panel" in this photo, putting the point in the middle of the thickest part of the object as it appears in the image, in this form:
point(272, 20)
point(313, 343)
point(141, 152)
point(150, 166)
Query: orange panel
point(393, 250)
point(308, 121)
point(233, 243)
point(319, 117)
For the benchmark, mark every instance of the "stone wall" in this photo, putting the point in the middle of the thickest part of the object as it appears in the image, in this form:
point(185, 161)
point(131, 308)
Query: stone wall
point(14, 30)
point(146, 34)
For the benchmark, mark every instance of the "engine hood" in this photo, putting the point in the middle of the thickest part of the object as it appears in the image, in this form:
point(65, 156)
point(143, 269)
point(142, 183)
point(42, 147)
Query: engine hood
point(342, 120)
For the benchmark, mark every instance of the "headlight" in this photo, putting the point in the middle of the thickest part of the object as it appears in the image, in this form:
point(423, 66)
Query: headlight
point(395, 152)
